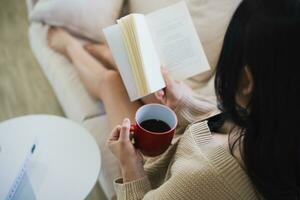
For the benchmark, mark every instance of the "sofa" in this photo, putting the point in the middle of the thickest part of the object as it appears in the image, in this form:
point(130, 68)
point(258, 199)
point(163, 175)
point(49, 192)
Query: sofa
point(210, 17)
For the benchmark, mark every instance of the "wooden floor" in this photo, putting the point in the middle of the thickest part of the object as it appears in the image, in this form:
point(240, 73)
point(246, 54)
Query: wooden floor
point(23, 87)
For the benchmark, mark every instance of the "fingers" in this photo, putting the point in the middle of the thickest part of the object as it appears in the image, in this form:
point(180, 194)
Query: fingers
point(125, 130)
point(114, 135)
point(159, 94)
point(168, 79)
point(120, 132)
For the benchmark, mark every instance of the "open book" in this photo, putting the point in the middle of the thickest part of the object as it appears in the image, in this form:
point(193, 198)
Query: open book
point(141, 44)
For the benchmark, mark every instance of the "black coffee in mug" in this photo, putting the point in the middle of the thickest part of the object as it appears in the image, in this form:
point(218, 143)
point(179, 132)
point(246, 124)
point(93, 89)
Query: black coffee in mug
point(154, 125)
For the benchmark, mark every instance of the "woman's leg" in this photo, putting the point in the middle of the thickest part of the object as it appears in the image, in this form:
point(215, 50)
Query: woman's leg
point(116, 100)
point(103, 53)
point(101, 82)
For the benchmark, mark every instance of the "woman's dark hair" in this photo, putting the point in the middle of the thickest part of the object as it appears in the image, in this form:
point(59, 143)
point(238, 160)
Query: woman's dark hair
point(265, 37)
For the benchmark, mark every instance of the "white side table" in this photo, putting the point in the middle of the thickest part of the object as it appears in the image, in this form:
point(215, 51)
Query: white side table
point(67, 161)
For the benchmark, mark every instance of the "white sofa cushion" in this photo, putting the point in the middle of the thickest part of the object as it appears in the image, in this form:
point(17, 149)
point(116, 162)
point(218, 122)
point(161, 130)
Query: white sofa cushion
point(99, 128)
point(30, 4)
point(210, 17)
point(73, 97)
point(84, 17)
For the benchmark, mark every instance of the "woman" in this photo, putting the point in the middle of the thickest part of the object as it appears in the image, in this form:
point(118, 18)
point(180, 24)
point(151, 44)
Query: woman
point(251, 151)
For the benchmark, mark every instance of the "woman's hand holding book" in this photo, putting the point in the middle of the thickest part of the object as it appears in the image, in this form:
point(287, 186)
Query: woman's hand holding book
point(173, 92)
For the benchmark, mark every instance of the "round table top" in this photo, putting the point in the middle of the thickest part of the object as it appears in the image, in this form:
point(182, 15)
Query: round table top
point(67, 160)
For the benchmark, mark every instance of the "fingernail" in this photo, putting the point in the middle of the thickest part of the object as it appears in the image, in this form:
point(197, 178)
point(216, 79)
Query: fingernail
point(126, 122)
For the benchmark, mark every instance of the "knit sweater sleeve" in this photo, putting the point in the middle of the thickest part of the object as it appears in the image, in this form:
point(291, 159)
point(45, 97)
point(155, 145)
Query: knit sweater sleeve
point(210, 173)
point(192, 108)
point(188, 184)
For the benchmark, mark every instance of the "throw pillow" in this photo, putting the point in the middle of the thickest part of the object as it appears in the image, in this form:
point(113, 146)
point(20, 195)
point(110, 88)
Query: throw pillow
point(86, 18)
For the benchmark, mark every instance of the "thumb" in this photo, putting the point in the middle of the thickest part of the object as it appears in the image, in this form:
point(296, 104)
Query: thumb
point(125, 130)
point(167, 77)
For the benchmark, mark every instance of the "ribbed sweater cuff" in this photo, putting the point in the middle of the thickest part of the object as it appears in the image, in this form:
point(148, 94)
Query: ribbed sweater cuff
point(133, 190)
point(191, 108)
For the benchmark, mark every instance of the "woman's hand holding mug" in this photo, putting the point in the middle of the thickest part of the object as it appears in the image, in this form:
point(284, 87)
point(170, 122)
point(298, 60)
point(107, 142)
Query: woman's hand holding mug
point(130, 159)
point(152, 132)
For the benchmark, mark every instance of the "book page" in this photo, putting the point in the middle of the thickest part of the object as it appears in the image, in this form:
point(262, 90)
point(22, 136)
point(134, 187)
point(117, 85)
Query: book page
point(150, 60)
point(177, 42)
point(114, 39)
point(129, 35)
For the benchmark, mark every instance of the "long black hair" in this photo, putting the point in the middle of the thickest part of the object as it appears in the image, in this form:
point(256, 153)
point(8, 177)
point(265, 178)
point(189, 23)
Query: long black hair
point(265, 37)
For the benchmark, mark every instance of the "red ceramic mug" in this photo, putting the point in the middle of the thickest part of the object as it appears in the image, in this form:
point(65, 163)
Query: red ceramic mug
point(148, 142)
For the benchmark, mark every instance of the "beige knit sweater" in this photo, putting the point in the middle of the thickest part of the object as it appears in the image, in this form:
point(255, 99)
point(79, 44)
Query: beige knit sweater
point(194, 167)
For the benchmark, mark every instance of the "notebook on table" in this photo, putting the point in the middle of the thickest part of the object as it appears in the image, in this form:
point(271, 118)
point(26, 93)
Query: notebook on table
point(141, 44)
point(15, 157)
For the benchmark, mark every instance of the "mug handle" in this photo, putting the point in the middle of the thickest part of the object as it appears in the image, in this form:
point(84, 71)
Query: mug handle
point(132, 132)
